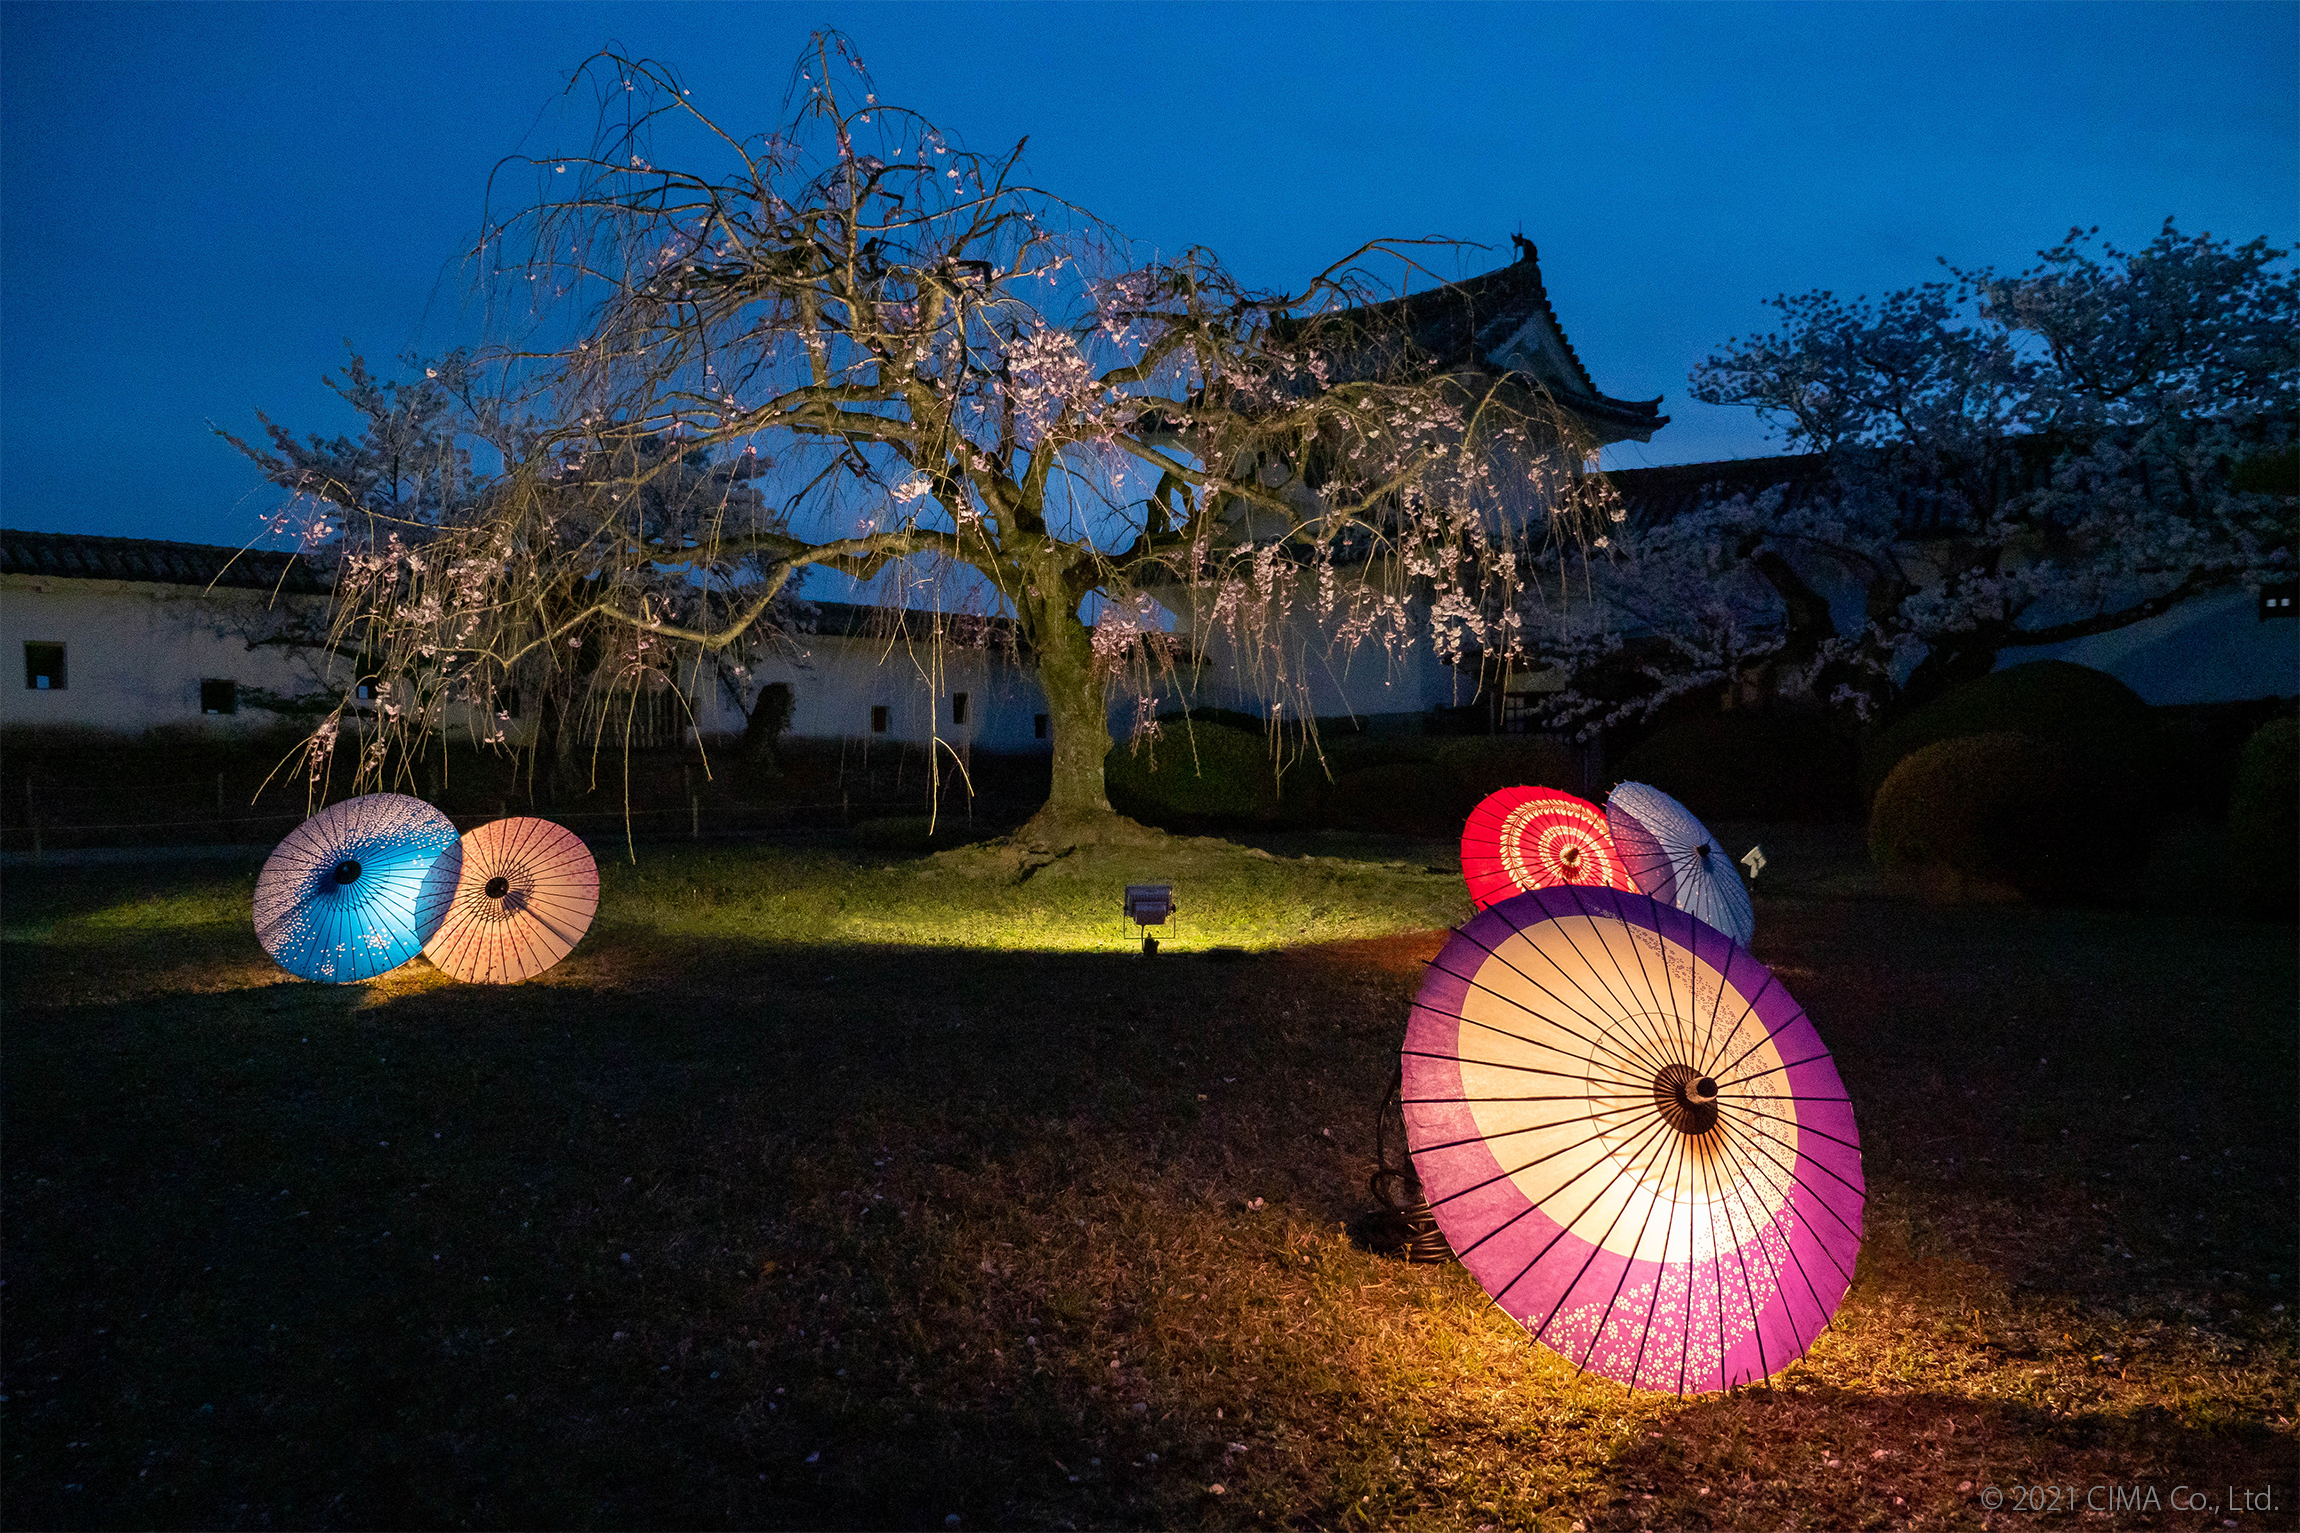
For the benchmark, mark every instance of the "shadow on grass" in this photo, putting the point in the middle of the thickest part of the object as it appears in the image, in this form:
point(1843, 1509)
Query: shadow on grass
point(1824, 1457)
point(714, 1232)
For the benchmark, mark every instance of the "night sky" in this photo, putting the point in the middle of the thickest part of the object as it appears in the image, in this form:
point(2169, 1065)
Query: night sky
point(199, 204)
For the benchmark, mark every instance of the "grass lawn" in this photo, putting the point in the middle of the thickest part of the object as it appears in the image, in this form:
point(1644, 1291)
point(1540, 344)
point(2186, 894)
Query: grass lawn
point(831, 1188)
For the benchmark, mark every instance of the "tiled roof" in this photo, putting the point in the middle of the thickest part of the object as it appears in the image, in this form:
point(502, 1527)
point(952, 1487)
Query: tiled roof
point(1474, 321)
point(838, 619)
point(1657, 495)
point(77, 556)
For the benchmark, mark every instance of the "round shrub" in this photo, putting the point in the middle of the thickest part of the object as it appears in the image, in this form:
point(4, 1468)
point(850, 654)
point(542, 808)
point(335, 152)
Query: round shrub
point(1197, 771)
point(1750, 766)
point(2264, 820)
point(1483, 764)
point(2099, 717)
point(2002, 812)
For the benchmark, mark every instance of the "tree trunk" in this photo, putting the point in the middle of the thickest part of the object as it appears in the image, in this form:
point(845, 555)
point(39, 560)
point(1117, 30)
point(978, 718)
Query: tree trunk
point(1078, 716)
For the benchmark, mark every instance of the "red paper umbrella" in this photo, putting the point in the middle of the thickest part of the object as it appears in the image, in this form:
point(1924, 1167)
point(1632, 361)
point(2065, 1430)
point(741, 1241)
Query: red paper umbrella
point(1537, 838)
point(524, 892)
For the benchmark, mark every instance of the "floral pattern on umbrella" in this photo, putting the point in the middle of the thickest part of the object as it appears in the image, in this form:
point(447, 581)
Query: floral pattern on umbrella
point(1673, 857)
point(341, 898)
point(1631, 1135)
point(1537, 838)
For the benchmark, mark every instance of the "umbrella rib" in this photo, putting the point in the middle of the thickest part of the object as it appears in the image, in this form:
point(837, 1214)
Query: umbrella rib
point(1806, 1344)
point(1565, 1228)
point(1716, 1268)
point(1633, 1008)
point(1789, 1168)
point(1503, 1176)
point(1749, 1293)
point(1532, 1207)
point(1801, 1125)
point(1629, 1053)
point(1629, 1261)
point(1661, 1281)
point(1598, 1042)
point(1596, 1245)
point(1739, 1189)
point(1495, 1064)
point(1790, 1064)
point(1747, 1007)
point(1530, 1128)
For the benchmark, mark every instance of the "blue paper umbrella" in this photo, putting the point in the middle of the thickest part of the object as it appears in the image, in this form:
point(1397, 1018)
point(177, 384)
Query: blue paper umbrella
point(342, 898)
point(1672, 857)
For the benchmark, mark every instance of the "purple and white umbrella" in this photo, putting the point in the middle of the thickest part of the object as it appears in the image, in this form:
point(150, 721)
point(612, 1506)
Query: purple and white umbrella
point(1632, 1137)
point(1672, 857)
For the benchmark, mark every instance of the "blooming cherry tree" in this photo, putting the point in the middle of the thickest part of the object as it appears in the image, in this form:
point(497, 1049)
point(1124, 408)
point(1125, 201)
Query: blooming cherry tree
point(852, 344)
point(1999, 463)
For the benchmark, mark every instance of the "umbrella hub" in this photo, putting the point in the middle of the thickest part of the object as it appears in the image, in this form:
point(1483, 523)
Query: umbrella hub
point(1687, 1098)
point(347, 871)
point(497, 887)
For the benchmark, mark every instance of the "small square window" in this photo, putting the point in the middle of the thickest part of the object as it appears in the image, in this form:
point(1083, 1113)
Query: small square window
point(1038, 726)
point(958, 707)
point(364, 692)
point(219, 696)
point(44, 667)
point(878, 718)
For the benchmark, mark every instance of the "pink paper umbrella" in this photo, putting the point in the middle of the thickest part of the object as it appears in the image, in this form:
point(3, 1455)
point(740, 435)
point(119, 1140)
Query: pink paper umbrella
point(522, 894)
point(1536, 838)
point(1631, 1136)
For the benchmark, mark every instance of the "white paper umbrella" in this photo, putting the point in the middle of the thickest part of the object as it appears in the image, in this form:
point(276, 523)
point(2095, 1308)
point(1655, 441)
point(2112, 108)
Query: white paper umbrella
point(342, 897)
point(1672, 857)
point(520, 895)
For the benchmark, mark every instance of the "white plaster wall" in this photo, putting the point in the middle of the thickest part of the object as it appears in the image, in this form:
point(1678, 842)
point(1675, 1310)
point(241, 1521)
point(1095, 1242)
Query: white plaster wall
point(135, 654)
point(838, 679)
point(2213, 649)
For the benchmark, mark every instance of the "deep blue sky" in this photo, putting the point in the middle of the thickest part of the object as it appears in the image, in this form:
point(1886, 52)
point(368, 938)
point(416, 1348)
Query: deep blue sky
point(199, 203)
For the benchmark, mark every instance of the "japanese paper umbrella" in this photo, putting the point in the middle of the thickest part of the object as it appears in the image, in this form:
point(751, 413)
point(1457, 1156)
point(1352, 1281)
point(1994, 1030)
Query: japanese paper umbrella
point(1536, 838)
point(519, 897)
point(1672, 857)
point(1632, 1137)
point(341, 898)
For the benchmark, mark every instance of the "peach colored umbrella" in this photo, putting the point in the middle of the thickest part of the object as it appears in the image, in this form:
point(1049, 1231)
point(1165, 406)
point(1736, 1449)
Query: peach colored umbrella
point(523, 893)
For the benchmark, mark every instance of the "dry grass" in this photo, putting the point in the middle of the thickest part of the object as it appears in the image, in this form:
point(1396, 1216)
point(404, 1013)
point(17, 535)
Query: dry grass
point(761, 1218)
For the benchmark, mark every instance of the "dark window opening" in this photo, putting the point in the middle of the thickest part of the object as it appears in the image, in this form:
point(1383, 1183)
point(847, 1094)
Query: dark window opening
point(44, 667)
point(508, 701)
point(878, 718)
point(2278, 600)
point(1038, 726)
point(219, 696)
point(958, 707)
point(364, 692)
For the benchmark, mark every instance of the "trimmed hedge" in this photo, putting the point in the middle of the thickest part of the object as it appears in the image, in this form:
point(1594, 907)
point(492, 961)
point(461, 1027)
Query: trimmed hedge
point(2264, 820)
point(2004, 812)
point(2100, 718)
point(1483, 764)
point(1409, 798)
point(1197, 771)
point(1750, 766)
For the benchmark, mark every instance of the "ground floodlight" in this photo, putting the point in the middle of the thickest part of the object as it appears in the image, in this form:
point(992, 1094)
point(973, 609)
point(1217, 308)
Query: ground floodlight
point(520, 893)
point(1672, 857)
point(1149, 905)
point(1630, 1134)
point(1537, 838)
point(341, 898)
